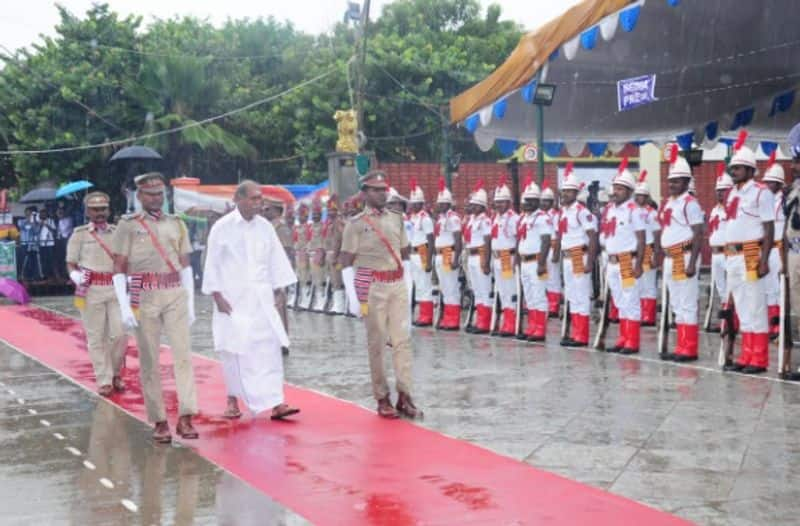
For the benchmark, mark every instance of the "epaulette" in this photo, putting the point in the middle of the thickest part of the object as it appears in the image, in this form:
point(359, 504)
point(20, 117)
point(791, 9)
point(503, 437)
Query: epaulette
point(354, 218)
point(81, 228)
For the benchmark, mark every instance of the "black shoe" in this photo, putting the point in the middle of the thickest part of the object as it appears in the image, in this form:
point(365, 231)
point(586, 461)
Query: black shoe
point(627, 351)
point(667, 357)
point(613, 349)
point(285, 351)
point(522, 337)
point(569, 342)
point(791, 377)
point(683, 358)
point(735, 367)
point(536, 338)
point(752, 369)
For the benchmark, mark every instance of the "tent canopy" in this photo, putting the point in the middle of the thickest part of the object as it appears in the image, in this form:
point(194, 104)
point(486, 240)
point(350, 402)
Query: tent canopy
point(718, 66)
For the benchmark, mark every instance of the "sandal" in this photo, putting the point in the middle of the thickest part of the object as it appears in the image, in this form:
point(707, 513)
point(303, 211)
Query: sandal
point(282, 411)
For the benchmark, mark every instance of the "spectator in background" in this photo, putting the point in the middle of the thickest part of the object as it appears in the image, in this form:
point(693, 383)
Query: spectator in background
point(28, 255)
point(64, 226)
point(47, 242)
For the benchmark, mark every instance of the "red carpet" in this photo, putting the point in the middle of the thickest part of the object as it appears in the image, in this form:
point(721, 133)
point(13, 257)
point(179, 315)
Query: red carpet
point(341, 464)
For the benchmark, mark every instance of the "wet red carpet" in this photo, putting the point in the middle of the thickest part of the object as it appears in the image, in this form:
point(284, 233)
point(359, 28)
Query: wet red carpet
point(341, 464)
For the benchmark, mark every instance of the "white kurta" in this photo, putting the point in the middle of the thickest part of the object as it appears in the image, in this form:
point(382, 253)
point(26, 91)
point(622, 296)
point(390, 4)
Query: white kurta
point(246, 263)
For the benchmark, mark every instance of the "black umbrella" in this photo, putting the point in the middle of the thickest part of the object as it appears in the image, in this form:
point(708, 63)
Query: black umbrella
point(39, 194)
point(135, 153)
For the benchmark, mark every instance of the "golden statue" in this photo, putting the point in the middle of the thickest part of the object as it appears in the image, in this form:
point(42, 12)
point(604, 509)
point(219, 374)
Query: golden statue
point(347, 126)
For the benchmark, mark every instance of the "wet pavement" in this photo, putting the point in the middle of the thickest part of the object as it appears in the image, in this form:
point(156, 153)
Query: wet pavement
point(712, 448)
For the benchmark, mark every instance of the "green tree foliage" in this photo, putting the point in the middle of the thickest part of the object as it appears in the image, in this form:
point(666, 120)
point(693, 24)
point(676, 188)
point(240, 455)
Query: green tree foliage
point(104, 77)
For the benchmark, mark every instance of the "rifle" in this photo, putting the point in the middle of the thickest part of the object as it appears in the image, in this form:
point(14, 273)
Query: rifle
point(785, 334)
point(663, 327)
point(495, 301)
point(602, 329)
point(727, 335)
point(712, 292)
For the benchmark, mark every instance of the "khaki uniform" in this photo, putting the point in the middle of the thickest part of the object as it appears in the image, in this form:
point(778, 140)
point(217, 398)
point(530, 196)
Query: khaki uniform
point(105, 338)
point(316, 255)
point(161, 308)
point(332, 236)
point(301, 235)
point(285, 237)
point(387, 312)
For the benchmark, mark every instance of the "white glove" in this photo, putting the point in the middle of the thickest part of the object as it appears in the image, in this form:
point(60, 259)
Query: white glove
point(187, 282)
point(79, 277)
point(349, 279)
point(125, 311)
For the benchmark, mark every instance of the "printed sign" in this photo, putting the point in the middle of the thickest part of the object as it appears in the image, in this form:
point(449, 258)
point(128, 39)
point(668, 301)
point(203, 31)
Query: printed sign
point(8, 259)
point(530, 153)
point(635, 92)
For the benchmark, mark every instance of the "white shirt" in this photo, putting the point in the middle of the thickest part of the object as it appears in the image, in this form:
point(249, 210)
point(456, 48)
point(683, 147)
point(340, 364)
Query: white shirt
point(532, 226)
point(447, 225)
point(478, 227)
point(47, 233)
point(574, 222)
point(677, 217)
point(504, 230)
point(622, 222)
point(246, 262)
point(421, 228)
point(716, 226)
point(748, 208)
point(653, 226)
point(64, 227)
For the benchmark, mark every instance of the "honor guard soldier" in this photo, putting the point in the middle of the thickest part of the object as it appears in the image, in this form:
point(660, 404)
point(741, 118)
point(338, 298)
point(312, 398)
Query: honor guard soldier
point(717, 221)
point(504, 248)
point(332, 234)
point(649, 277)
point(774, 178)
point(624, 230)
point(302, 237)
point(316, 257)
point(477, 237)
point(681, 220)
point(421, 255)
point(152, 249)
point(375, 265)
point(290, 222)
point(577, 235)
point(547, 205)
point(273, 212)
point(447, 241)
point(533, 246)
point(749, 236)
point(90, 262)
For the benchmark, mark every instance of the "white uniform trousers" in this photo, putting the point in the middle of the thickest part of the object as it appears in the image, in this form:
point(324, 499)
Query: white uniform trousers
point(772, 283)
point(535, 286)
point(749, 297)
point(683, 294)
point(720, 281)
point(506, 287)
point(423, 288)
point(481, 283)
point(553, 275)
point(448, 283)
point(577, 289)
point(649, 287)
point(627, 299)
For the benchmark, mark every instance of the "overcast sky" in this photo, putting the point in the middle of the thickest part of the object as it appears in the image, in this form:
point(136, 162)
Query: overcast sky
point(22, 21)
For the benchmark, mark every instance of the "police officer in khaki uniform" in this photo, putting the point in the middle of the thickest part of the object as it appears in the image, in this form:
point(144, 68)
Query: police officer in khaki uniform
point(332, 236)
point(316, 257)
point(152, 249)
point(273, 212)
point(301, 236)
point(91, 263)
point(374, 260)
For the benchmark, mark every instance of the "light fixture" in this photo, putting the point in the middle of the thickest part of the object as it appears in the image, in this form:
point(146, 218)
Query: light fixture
point(544, 94)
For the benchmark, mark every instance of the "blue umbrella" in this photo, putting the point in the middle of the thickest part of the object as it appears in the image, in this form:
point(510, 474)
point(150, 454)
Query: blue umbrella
point(71, 188)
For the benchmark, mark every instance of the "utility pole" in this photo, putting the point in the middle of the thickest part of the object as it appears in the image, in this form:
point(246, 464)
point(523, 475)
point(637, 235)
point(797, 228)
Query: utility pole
point(362, 69)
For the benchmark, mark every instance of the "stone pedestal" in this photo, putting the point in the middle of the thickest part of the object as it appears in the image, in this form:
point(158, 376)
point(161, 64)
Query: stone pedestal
point(342, 174)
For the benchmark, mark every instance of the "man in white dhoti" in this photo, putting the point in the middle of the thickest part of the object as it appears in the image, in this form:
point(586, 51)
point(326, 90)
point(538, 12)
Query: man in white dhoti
point(245, 265)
